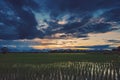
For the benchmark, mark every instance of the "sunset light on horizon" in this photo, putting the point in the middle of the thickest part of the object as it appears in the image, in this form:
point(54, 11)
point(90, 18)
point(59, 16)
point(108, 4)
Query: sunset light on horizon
point(60, 24)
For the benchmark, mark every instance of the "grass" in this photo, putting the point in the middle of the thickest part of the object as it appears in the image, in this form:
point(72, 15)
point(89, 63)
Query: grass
point(58, 57)
point(59, 66)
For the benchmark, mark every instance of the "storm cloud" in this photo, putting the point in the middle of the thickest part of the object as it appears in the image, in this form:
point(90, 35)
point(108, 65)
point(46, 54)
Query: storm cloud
point(18, 43)
point(95, 47)
point(78, 18)
point(114, 41)
point(18, 20)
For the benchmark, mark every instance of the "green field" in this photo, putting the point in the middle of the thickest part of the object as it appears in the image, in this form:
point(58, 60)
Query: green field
point(56, 57)
point(59, 66)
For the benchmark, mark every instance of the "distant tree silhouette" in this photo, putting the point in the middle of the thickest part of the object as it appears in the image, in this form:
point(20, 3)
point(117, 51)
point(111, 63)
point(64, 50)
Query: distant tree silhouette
point(118, 48)
point(4, 50)
point(114, 49)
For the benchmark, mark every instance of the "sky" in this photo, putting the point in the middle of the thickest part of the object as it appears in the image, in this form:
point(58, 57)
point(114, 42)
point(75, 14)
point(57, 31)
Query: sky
point(60, 24)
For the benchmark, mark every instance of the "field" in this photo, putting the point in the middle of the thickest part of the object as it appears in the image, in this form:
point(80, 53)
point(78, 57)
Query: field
point(59, 66)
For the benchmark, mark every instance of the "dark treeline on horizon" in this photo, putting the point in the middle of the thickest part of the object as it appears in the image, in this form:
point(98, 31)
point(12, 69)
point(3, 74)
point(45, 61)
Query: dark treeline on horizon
point(6, 50)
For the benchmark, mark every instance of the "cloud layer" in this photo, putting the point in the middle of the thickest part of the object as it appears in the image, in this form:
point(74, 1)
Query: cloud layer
point(19, 19)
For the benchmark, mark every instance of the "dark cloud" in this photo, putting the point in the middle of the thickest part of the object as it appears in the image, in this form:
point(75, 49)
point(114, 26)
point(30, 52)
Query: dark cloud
point(110, 3)
point(96, 47)
point(18, 17)
point(79, 5)
point(114, 41)
point(85, 39)
point(100, 28)
point(84, 10)
point(113, 15)
point(83, 28)
point(18, 43)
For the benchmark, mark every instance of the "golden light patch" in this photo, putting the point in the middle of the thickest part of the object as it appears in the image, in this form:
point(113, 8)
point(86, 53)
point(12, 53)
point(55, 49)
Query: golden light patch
point(73, 43)
point(62, 22)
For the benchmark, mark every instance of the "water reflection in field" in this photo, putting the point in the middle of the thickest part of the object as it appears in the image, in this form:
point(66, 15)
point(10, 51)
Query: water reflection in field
point(62, 71)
